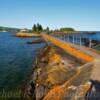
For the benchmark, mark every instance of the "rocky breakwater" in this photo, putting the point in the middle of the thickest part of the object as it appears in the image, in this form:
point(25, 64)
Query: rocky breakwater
point(26, 34)
point(58, 76)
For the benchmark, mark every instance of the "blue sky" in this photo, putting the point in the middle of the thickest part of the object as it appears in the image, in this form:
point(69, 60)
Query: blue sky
point(80, 14)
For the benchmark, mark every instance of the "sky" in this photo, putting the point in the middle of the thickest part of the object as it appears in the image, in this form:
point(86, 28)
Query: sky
point(82, 15)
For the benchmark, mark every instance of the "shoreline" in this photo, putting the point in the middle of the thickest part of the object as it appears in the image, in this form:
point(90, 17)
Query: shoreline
point(26, 34)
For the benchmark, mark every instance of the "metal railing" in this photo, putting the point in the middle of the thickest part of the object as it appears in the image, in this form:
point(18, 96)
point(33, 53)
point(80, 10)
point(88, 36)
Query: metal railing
point(80, 39)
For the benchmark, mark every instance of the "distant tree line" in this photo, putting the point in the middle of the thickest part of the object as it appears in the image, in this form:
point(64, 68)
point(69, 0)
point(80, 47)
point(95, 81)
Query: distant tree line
point(9, 29)
point(66, 29)
point(38, 28)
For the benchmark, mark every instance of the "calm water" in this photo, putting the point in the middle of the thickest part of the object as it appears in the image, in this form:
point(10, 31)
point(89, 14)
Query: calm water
point(16, 58)
point(95, 36)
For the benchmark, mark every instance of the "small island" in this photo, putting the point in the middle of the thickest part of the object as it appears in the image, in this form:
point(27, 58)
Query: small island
point(37, 29)
point(34, 32)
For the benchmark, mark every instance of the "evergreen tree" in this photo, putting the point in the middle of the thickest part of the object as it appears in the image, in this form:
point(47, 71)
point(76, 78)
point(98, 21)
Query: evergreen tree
point(40, 28)
point(37, 28)
point(34, 29)
point(47, 29)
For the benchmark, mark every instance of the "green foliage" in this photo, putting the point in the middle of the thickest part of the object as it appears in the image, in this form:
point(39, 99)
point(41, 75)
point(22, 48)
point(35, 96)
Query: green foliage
point(37, 28)
point(1, 29)
point(34, 29)
point(56, 30)
point(66, 29)
point(47, 29)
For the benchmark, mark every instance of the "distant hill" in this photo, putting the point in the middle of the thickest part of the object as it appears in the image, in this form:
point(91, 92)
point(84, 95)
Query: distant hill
point(9, 29)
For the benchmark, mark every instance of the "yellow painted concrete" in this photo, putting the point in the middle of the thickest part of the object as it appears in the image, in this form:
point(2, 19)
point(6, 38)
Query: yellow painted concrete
point(68, 48)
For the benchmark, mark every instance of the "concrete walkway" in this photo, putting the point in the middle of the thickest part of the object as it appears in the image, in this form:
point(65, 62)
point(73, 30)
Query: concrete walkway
point(96, 72)
point(87, 51)
point(81, 52)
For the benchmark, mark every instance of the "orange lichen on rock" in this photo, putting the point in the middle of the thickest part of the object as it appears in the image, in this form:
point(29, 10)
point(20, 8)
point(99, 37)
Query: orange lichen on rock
point(58, 92)
point(54, 58)
point(55, 94)
point(67, 47)
point(57, 74)
point(50, 55)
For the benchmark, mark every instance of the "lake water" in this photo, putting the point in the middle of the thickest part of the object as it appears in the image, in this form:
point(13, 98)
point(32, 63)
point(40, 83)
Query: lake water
point(94, 36)
point(16, 58)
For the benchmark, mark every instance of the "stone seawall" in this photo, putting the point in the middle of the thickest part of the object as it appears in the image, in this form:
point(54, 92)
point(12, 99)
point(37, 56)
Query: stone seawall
point(57, 76)
point(26, 34)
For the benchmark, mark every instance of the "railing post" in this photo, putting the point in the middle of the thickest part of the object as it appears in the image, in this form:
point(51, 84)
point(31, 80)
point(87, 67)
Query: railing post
point(64, 37)
point(90, 43)
point(73, 39)
point(68, 38)
point(80, 41)
point(60, 37)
